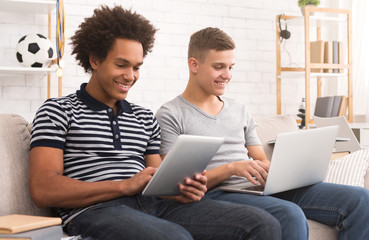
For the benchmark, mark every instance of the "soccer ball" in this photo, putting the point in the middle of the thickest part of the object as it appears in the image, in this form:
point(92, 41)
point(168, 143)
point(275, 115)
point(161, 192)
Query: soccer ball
point(34, 50)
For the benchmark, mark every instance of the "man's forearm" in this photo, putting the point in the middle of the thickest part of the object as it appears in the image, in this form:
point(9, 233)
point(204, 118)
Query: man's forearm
point(218, 175)
point(61, 191)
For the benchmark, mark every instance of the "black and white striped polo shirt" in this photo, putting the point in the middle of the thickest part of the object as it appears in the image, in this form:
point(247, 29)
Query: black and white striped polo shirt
point(97, 145)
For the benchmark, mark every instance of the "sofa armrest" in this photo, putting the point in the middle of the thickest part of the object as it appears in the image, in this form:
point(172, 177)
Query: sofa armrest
point(14, 150)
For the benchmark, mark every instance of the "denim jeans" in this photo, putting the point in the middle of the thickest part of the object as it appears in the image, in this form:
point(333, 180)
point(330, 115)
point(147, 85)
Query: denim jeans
point(142, 218)
point(343, 206)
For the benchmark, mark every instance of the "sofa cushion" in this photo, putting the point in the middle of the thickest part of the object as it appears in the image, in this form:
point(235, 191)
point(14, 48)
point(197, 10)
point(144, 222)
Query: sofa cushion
point(269, 127)
point(350, 169)
point(319, 231)
point(14, 142)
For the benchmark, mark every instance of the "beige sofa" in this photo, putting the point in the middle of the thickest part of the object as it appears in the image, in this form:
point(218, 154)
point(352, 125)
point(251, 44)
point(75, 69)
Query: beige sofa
point(14, 142)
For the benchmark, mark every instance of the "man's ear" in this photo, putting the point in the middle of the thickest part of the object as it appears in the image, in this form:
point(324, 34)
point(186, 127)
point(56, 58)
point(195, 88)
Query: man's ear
point(193, 64)
point(94, 62)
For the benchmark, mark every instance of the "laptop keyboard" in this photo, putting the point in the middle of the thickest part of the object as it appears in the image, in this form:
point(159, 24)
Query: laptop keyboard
point(255, 188)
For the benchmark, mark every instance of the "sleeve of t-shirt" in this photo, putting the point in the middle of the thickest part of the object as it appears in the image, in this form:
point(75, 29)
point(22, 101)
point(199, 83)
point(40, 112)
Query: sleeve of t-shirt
point(251, 137)
point(170, 127)
point(49, 126)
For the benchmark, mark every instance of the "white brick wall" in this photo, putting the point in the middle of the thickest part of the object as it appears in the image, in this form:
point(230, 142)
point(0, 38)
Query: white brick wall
point(164, 74)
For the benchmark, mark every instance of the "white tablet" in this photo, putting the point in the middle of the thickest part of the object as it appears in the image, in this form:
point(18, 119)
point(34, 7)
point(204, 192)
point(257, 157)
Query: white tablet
point(189, 155)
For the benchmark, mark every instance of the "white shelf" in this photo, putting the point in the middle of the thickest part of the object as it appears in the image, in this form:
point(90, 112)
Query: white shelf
point(315, 20)
point(328, 74)
point(302, 74)
point(359, 125)
point(26, 70)
point(26, 6)
point(21, 6)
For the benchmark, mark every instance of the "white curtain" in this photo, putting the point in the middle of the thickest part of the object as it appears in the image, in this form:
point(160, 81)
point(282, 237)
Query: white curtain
point(360, 51)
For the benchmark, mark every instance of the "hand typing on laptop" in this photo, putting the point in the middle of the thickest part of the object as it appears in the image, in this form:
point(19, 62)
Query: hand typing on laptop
point(255, 171)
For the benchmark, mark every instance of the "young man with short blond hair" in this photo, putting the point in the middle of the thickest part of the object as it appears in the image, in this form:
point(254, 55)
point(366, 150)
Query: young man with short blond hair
point(201, 110)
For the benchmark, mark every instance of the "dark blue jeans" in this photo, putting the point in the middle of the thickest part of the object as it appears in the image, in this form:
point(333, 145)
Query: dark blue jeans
point(143, 218)
point(345, 207)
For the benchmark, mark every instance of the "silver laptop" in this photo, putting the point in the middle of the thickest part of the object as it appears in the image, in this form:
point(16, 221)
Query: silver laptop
point(188, 155)
point(345, 132)
point(299, 159)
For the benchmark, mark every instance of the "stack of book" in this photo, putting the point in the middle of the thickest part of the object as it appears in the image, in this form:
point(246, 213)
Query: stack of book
point(330, 52)
point(331, 106)
point(27, 227)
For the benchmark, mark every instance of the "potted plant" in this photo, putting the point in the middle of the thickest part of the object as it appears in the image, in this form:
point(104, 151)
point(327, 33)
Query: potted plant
point(303, 3)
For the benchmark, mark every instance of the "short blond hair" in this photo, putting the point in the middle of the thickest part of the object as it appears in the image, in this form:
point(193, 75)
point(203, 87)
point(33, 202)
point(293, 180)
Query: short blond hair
point(208, 39)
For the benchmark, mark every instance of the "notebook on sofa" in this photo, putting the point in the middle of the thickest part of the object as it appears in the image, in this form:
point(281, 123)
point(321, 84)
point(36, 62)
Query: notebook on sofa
point(16, 223)
point(300, 158)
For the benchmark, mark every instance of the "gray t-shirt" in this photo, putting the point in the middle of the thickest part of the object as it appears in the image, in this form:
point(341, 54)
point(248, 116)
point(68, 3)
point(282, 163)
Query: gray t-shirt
point(233, 123)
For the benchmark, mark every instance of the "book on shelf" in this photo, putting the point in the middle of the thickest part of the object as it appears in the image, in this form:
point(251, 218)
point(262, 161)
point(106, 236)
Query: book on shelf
point(323, 107)
point(343, 107)
point(16, 223)
point(335, 54)
point(317, 54)
point(45, 233)
point(328, 55)
point(331, 106)
point(329, 52)
point(336, 105)
point(340, 56)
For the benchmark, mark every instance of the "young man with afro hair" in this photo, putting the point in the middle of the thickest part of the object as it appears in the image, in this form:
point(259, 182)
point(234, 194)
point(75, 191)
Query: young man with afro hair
point(92, 152)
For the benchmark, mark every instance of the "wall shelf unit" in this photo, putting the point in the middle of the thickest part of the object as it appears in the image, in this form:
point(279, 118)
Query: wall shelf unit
point(19, 6)
point(26, 70)
point(33, 6)
point(307, 21)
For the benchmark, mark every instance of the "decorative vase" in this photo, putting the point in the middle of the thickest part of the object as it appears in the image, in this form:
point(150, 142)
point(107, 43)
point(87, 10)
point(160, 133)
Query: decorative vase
point(303, 7)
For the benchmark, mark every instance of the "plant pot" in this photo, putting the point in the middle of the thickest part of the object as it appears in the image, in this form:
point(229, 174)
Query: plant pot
point(303, 7)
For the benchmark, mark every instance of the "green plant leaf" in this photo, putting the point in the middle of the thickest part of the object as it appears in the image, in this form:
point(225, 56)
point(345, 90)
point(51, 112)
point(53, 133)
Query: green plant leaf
point(302, 3)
